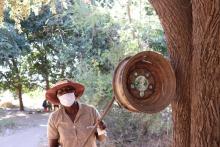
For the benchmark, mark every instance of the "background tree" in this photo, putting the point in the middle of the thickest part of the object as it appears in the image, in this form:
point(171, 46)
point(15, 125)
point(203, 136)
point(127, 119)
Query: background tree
point(13, 49)
point(43, 61)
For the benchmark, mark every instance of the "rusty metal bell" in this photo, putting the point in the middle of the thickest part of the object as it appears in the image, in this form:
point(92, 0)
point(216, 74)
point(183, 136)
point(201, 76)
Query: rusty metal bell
point(144, 82)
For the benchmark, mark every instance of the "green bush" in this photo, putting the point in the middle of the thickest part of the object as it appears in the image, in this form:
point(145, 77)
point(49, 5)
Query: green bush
point(137, 129)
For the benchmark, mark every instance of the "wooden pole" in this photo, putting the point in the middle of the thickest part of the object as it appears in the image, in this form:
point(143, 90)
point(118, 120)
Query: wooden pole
point(107, 108)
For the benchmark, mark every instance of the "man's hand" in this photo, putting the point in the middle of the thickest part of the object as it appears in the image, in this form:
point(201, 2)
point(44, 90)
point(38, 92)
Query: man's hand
point(101, 128)
point(53, 143)
point(101, 125)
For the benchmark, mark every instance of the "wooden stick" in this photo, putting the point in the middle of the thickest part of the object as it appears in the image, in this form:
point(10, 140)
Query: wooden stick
point(101, 118)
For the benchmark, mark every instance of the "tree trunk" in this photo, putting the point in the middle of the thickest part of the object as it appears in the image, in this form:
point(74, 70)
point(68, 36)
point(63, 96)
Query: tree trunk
point(176, 19)
point(18, 83)
point(193, 40)
point(63, 68)
point(47, 82)
point(46, 73)
point(19, 90)
point(129, 17)
point(205, 116)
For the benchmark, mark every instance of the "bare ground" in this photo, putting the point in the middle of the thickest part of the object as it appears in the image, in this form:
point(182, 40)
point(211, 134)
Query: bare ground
point(23, 129)
point(28, 129)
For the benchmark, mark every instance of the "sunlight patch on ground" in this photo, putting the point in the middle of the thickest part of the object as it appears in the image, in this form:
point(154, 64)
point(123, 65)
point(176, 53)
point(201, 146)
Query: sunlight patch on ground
point(21, 114)
point(43, 125)
point(15, 115)
point(7, 116)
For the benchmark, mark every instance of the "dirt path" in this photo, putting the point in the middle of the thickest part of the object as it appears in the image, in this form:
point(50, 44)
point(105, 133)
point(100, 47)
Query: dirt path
point(31, 137)
point(29, 131)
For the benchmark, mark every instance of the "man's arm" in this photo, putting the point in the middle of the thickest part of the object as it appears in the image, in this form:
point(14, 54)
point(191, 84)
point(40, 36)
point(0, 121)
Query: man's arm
point(52, 132)
point(101, 128)
point(53, 143)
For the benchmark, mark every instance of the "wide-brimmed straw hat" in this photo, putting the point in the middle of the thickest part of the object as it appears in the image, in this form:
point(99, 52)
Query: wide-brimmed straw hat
point(51, 94)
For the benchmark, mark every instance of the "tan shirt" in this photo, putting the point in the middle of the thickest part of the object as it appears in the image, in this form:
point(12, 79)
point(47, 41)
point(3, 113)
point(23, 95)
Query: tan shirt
point(70, 134)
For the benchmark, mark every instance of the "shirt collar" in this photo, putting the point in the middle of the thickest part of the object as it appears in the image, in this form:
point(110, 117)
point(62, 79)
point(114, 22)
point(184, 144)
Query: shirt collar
point(79, 111)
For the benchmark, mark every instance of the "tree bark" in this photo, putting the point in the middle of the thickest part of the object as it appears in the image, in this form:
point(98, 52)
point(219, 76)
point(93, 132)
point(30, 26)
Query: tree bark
point(19, 90)
point(47, 82)
point(205, 116)
point(176, 19)
point(193, 39)
point(46, 72)
point(129, 17)
point(17, 83)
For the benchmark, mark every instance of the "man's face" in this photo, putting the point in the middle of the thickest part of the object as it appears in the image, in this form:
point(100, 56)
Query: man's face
point(64, 90)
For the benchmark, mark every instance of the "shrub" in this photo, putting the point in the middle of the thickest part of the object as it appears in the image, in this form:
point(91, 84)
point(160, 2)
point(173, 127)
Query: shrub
point(137, 129)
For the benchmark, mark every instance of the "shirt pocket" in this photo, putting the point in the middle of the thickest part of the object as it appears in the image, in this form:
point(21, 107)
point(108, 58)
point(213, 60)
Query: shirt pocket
point(85, 131)
point(66, 130)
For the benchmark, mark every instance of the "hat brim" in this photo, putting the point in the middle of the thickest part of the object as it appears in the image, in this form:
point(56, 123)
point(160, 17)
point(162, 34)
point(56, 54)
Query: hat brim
point(51, 94)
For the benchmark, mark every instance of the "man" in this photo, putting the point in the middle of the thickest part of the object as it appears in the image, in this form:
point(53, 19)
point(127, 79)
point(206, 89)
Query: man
point(45, 105)
point(72, 124)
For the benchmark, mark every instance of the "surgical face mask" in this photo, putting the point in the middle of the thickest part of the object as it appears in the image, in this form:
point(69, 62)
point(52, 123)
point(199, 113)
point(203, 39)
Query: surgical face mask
point(67, 99)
